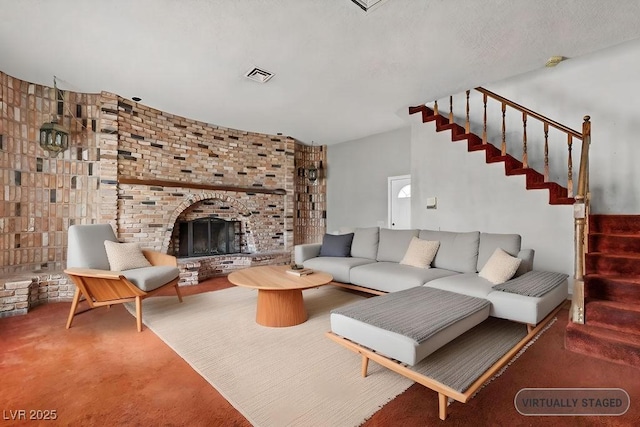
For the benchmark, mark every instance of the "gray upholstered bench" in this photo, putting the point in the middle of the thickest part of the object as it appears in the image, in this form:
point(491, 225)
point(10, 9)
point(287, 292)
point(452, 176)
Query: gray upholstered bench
point(409, 325)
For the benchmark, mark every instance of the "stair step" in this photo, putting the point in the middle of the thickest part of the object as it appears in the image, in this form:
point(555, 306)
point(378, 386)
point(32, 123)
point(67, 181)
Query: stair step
point(557, 194)
point(562, 201)
point(615, 224)
point(615, 287)
point(604, 263)
point(458, 133)
point(606, 344)
point(619, 316)
point(614, 243)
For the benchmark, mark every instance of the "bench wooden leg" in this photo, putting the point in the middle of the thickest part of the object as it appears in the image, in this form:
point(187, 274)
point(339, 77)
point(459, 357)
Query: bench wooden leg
point(178, 292)
point(139, 313)
point(365, 365)
point(442, 406)
point(74, 306)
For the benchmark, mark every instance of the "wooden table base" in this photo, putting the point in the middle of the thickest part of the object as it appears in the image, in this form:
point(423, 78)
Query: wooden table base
point(280, 308)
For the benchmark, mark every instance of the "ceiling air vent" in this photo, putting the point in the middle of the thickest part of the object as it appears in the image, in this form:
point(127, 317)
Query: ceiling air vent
point(366, 5)
point(259, 75)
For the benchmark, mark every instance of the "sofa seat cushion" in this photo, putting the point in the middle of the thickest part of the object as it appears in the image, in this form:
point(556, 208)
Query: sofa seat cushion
point(393, 277)
point(338, 267)
point(466, 284)
point(525, 309)
point(505, 305)
point(151, 278)
point(409, 325)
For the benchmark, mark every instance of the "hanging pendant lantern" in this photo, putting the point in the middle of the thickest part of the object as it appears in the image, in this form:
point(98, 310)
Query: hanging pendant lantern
point(54, 138)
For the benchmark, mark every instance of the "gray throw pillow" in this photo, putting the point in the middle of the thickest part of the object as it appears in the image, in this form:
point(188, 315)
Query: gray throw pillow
point(336, 245)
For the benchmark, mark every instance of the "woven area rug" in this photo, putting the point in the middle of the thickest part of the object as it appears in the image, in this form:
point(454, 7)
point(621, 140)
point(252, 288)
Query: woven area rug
point(296, 376)
point(274, 376)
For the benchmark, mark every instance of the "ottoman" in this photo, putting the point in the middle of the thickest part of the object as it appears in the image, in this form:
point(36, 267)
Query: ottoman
point(409, 325)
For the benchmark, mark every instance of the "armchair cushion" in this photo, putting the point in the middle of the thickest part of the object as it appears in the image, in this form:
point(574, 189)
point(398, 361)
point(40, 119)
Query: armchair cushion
point(125, 256)
point(151, 278)
point(85, 248)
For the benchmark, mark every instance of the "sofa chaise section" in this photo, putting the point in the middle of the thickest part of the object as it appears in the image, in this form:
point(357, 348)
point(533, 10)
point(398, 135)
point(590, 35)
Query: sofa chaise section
point(409, 325)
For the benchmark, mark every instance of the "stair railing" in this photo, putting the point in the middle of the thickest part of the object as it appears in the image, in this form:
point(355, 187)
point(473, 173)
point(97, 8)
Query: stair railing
point(582, 195)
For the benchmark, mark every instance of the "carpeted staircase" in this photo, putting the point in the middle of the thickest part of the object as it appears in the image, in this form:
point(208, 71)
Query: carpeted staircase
point(512, 166)
point(612, 292)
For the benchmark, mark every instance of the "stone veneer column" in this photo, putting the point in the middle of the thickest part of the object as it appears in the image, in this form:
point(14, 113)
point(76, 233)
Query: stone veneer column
point(108, 149)
point(310, 222)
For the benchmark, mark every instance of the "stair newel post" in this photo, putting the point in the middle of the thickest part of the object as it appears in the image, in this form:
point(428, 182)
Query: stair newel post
point(467, 126)
point(581, 221)
point(451, 109)
point(546, 152)
point(525, 158)
point(484, 126)
point(503, 148)
point(435, 108)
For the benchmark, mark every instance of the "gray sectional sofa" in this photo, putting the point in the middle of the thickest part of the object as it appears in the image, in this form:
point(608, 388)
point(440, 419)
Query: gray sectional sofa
point(374, 264)
point(427, 300)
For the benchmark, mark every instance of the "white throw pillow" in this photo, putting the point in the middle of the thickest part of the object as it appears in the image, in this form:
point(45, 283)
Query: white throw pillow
point(420, 253)
point(125, 256)
point(500, 267)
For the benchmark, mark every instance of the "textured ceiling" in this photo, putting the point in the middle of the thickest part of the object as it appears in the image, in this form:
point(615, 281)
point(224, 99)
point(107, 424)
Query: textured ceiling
point(340, 73)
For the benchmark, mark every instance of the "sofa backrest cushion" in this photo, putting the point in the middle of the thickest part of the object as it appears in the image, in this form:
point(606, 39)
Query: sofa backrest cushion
point(489, 242)
point(394, 244)
point(336, 245)
point(457, 252)
point(365, 243)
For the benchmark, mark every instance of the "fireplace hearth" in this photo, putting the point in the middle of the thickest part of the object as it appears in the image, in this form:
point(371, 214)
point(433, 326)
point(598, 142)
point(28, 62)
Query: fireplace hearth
point(208, 236)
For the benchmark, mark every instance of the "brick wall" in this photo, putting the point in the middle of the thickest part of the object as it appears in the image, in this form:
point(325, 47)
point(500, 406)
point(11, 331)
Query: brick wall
point(42, 195)
point(229, 171)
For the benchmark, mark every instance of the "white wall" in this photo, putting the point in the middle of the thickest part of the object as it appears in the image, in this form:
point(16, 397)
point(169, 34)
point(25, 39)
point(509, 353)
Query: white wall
point(357, 174)
point(473, 195)
point(604, 85)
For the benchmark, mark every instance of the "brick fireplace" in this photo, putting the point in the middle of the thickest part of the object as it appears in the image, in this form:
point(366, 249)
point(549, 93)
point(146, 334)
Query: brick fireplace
point(144, 171)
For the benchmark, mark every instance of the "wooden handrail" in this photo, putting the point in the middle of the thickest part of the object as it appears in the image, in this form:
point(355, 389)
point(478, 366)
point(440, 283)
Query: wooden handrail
point(582, 196)
point(584, 159)
point(531, 113)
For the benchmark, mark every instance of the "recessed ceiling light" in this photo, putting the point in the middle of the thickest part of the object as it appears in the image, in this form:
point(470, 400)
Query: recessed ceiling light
point(259, 75)
point(136, 98)
point(554, 60)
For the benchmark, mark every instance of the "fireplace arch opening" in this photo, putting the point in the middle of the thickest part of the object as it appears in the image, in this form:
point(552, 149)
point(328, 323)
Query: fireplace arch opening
point(208, 236)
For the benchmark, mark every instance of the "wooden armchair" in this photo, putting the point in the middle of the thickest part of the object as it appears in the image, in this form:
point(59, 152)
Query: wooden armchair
point(88, 266)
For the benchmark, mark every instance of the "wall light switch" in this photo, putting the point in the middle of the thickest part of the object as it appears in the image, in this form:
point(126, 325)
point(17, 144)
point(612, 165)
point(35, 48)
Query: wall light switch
point(432, 202)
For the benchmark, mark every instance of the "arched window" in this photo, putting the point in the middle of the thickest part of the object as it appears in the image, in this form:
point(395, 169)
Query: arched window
point(405, 192)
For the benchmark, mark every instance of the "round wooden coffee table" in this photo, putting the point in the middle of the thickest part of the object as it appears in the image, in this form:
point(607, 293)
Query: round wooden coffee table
point(280, 300)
